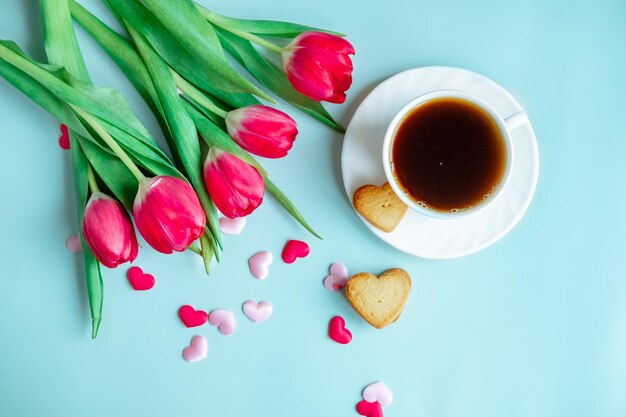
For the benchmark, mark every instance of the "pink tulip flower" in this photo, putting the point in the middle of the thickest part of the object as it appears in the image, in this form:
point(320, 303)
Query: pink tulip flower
point(262, 130)
point(318, 65)
point(108, 230)
point(235, 186)
point(168, 213)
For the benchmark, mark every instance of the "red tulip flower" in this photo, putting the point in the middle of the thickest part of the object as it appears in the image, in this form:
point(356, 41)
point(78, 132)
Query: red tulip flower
point(318, 65)
point(262, 130)
point(168, 213)
point(235, 186)
point(109, 231)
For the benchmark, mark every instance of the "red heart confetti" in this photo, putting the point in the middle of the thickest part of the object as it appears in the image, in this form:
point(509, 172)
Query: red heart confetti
point(192, 317)
point(64, 140)
point(295, 249)
point(368, 409)
point(337, 331)
point(138, 280)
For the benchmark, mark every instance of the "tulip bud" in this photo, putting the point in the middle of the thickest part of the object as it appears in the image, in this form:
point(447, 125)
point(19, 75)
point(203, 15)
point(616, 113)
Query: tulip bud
point(168, 213)
point(318, 65)
point(262, 130)
point(235, 186)
point(109, 231)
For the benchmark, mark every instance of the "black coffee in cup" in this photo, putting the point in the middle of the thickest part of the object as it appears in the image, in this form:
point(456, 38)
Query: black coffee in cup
point(448, 154)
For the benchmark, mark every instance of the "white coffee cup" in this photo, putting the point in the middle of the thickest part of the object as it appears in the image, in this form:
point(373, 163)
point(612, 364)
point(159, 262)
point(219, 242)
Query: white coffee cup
point(504, 126)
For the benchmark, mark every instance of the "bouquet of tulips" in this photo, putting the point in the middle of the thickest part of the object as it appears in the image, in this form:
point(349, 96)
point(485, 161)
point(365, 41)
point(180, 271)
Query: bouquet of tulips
point(176, 54)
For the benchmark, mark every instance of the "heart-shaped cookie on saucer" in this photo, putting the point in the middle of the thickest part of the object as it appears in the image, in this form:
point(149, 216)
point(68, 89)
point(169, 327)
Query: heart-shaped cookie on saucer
point(380, 206)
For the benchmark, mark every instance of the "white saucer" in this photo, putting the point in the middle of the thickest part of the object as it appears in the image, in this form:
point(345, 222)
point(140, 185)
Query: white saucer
point(417, 234)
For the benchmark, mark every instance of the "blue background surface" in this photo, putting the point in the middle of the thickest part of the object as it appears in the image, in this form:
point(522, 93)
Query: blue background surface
point(532, 326)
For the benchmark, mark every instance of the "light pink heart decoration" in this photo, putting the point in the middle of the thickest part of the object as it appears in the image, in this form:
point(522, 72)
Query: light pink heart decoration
point(257, 312)
point(74, 244)
point(232, 226)
point(259, 264)
point(224, 320)
point(197, 350)
point(338, 277)
point(378, 391)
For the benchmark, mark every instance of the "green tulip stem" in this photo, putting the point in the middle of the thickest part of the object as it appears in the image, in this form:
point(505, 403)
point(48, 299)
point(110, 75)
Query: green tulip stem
point(242, 34)
point(197, 95)
point(91, 178)
point(112, 143)
point(195, 249)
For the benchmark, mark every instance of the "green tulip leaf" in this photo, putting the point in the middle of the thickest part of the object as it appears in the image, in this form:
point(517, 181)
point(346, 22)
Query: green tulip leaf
point(132, 65)
point(181, 128)
point(114, 174)
point(40, 95)
point(95, 286)
point(194, 61)
point(284, 201)
point(271, 28)
point(112, 171)
point(105, 103)
point(183, 20)
point(62, 49)
point(119, 49)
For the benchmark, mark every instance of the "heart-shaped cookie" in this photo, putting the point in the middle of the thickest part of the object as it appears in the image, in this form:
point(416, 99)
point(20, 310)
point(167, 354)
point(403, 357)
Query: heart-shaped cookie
point(380, 206)
point(379, 300)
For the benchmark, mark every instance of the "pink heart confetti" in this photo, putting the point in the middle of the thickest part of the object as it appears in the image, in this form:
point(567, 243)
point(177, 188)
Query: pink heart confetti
point(378, 392)
point(74, 244)
point(232, 226)
point(259, 264)
point(295, 249)
point(139, 280)
point(337, 331)
point(192, 317)
point(197, 350)
point(257, 312)
point(224, 320)
point(369, 409)
point(338, 277)
point(64, 139)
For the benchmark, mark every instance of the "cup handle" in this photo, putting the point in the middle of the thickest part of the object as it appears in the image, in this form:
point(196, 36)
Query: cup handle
point(516, 120)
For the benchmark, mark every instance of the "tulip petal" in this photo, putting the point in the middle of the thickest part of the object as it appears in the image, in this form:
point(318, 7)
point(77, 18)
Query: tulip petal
point(327, 41)
point(262, 130)
point(318, 65)
point(235, 186)
point(168, 214)
point(108, 231)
